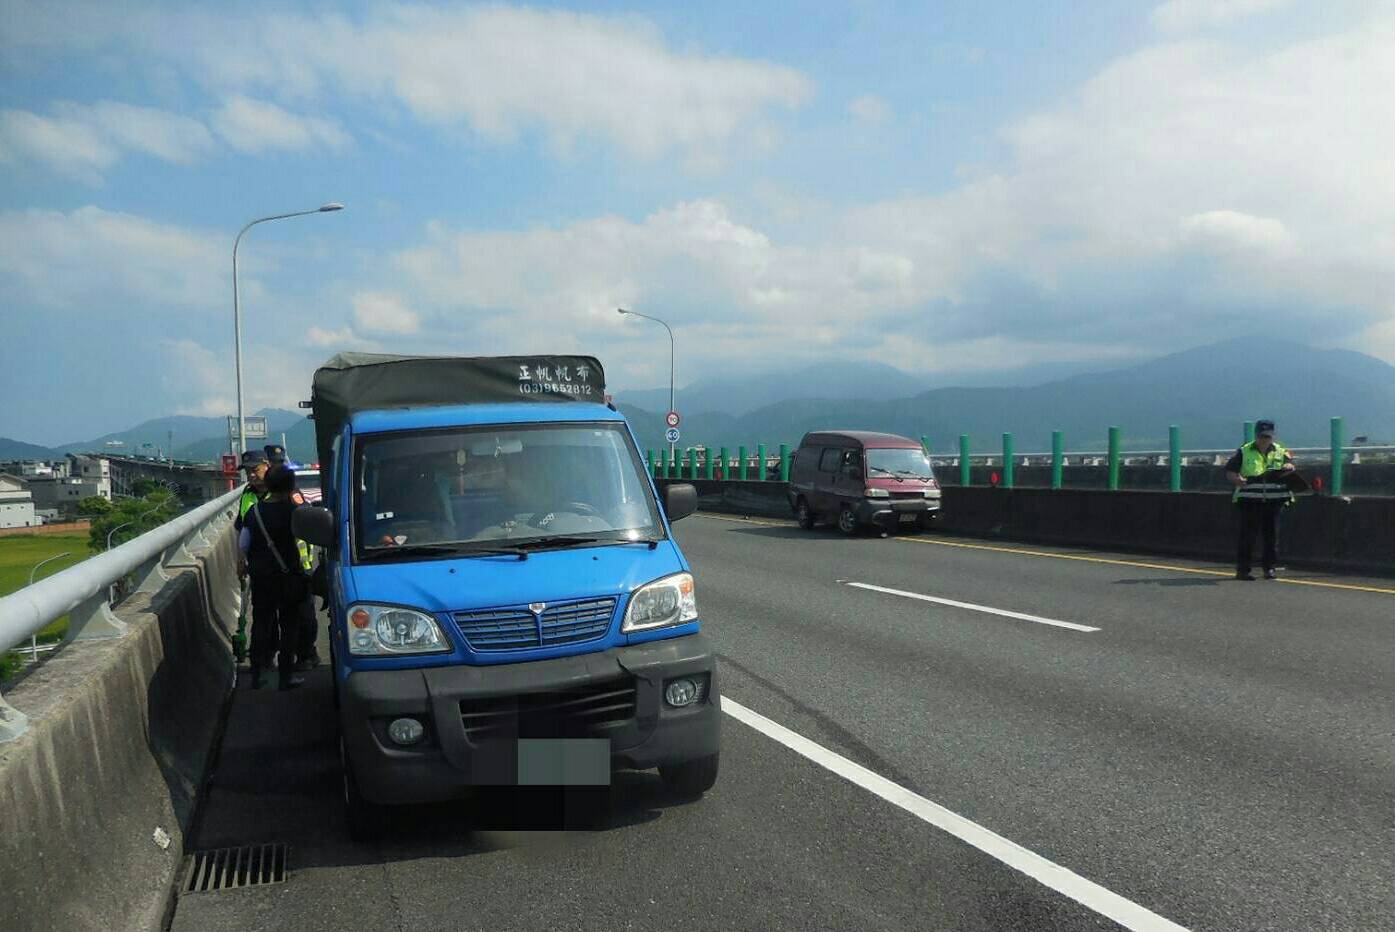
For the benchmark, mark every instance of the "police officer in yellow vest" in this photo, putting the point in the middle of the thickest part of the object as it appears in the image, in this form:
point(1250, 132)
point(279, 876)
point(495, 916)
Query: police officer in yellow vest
point(254, 464)
point(307, 657)
point(1260, 496)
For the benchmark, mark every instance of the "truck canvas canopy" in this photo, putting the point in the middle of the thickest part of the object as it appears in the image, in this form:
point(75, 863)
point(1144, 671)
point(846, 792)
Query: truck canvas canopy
point(352, 382)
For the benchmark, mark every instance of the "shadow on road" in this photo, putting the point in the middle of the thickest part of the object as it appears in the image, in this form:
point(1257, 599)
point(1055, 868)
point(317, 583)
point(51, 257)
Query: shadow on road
point(277, 778)
point(1170, 581)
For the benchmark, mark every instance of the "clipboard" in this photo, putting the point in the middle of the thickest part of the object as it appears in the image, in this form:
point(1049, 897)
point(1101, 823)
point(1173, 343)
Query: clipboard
point(1289, 480)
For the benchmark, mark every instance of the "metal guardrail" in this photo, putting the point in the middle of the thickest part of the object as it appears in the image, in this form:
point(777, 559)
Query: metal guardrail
point(83, 592)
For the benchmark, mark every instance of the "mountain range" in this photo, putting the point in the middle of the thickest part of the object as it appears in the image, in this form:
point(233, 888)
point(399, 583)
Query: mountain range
point(1208, 391)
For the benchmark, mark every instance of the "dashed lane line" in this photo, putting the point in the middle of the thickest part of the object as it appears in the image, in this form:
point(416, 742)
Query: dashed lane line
point(970, 606)
point(1080, 558)
point(1064, 881)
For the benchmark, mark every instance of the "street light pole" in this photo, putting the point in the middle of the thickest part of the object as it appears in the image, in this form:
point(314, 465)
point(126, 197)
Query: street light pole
point(34, 638)
point(656, 320)
point(237, 311)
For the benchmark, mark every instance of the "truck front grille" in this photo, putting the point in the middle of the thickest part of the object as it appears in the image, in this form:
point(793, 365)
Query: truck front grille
point(518, 628)
point(588, 711)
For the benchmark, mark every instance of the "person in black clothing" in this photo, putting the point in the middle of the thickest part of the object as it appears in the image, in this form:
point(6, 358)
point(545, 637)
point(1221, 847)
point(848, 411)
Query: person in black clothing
point(279, 584)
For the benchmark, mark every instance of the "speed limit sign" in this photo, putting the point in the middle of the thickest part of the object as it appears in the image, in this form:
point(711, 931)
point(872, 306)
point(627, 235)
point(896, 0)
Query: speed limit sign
point(671, 435)
point(672, 419)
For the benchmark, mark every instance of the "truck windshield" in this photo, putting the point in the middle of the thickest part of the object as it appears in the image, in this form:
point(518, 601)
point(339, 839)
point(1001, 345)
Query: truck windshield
point(534, 486)
point(901, 463)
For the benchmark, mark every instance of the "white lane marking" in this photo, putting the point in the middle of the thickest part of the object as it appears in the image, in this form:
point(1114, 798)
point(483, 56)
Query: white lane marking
point(972, 607)
point(1087, 893)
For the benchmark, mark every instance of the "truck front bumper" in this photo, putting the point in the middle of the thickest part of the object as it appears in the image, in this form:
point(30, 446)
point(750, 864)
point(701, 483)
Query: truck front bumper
point(475, 716)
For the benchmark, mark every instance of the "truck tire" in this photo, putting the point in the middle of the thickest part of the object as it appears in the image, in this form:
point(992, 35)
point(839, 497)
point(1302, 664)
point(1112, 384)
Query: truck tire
point(366, 821)
point(803, 515)
point(691, 778)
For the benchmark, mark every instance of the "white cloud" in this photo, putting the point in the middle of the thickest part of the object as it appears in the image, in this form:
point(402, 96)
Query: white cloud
point(499, 71)
point(201, 379)
point(319, 336)
point(1178, 16)
point(257, 126)
point(376, 312)
point(82, 140)
point(870, 109)
point(94, 261)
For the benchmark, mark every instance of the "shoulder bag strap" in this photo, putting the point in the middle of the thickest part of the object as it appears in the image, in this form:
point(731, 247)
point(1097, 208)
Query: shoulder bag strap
point(266, 535)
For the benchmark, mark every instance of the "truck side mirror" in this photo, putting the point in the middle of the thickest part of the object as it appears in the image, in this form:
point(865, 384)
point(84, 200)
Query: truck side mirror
point(315, 525)
point(680, 500)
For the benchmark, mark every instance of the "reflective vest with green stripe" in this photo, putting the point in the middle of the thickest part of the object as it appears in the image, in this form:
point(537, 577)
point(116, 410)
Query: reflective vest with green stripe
point(1254, 464)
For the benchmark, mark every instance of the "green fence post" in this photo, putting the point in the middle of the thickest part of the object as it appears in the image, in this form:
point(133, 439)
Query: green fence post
point(1174, 458)
point(741, 463)
point(1058, 457)
point(964, 459)
point(1113, 459)
point(690, 463)
point(760, 454)
point(1249, 432)
point(707, 455)
point(784, 462)
point(1335, 486)
point(649, 458)
point(726, 470)
point(1007, 461)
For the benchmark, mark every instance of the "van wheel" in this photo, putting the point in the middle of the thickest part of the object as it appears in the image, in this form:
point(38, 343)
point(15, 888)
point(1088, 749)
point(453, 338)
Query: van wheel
point(366, 820)
point(691, 778)
point(803, 515)
point(847, 521)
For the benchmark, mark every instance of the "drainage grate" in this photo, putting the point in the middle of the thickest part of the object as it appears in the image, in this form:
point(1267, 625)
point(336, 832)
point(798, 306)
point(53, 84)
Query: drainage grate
point(229, 868)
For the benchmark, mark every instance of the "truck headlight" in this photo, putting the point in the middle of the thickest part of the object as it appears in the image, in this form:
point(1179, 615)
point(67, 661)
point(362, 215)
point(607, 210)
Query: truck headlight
point(663, 602)
point(877, 493)
point(377, 630)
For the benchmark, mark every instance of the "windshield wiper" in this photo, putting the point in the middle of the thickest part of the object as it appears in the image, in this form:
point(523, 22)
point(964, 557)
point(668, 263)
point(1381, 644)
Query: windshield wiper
point(549, 543)
point(460, 550)
point(888, 472)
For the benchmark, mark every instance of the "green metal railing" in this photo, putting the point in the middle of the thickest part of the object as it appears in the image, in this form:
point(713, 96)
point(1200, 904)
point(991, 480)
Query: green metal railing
point(755, 464)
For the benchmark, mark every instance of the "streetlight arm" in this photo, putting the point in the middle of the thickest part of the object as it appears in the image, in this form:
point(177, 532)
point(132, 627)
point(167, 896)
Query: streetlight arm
point(57, 556)
point(665, 325)
point(237, 309)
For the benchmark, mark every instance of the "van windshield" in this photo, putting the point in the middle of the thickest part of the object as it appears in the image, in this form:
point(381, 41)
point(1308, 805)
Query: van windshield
point(905, 463)
point(516, 486)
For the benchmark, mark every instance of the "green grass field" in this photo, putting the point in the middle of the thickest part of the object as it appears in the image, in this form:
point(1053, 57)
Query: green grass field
point(18, 556)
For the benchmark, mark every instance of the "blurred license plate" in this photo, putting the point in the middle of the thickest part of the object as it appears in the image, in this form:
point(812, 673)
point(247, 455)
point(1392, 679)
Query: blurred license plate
point(563, 762)
point(908, 517)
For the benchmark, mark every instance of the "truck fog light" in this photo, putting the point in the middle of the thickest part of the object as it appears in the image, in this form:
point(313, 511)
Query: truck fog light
point(682, 692)
point(405, 731)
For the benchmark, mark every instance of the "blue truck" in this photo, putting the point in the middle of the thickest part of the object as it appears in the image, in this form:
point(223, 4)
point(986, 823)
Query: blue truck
point(507, 603)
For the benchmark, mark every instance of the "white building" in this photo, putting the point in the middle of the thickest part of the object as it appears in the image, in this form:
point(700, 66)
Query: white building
point(16, 503)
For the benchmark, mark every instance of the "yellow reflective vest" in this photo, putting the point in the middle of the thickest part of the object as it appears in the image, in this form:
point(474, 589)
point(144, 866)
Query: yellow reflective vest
point(1254, 464)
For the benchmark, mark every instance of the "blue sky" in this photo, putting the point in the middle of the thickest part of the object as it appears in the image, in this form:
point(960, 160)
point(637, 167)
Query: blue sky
point(958, 188)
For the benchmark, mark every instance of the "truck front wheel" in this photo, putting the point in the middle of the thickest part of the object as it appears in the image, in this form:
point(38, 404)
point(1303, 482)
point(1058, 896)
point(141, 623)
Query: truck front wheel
point(691, 778)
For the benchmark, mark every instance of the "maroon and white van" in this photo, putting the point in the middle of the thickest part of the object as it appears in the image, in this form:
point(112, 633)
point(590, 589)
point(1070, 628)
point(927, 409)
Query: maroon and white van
point(855, 479)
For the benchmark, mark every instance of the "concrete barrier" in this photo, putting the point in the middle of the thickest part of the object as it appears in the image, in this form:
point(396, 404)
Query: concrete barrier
point(96, 797)
point(752, 498)
point(1351, 535)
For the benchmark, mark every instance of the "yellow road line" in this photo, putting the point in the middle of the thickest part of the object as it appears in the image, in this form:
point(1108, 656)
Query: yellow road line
point(1081, 558)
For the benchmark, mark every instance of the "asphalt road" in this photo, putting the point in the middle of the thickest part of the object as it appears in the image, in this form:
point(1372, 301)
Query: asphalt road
point(1216, 753)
